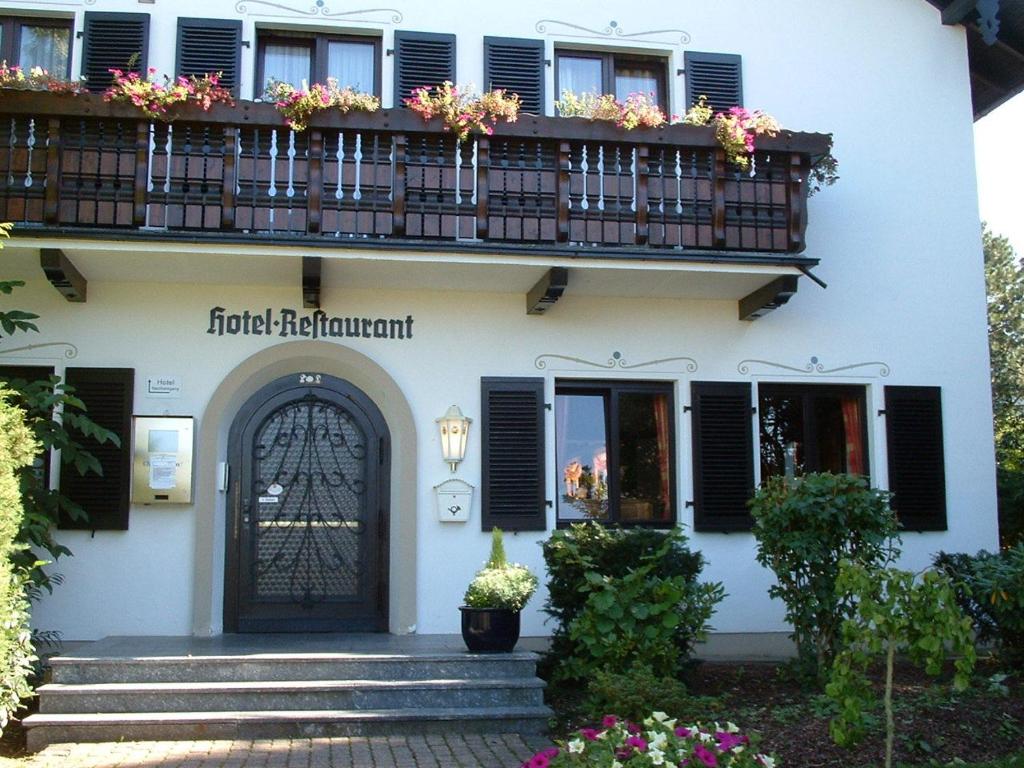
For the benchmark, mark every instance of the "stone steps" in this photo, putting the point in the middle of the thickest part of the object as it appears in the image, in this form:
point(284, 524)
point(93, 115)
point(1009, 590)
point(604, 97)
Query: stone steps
point(244, 692)
point(287, 695)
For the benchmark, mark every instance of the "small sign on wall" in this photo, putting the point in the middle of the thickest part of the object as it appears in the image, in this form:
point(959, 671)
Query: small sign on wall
point(162, 460)
point(163, 386)
point(454, 500)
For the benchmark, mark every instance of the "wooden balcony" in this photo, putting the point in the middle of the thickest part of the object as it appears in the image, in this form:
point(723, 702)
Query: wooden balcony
point(77, 166)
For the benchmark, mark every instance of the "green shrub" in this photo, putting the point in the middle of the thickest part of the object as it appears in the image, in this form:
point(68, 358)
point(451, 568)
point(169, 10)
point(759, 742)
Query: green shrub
point(500, 584)
point(634, 694)
point(17, 450)
point(625, 597)
point(804, 527)
point(990, 589)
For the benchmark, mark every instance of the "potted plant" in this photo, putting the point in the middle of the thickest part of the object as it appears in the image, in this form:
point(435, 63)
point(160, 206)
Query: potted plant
point(498, 592)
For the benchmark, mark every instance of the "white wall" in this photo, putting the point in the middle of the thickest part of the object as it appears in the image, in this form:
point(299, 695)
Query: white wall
point(898, 239)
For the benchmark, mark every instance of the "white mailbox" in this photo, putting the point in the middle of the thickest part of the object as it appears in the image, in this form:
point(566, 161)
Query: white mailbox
point(454, 500)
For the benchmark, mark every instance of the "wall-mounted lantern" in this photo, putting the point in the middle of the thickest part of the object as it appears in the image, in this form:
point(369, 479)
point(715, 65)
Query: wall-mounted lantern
point(454, 432)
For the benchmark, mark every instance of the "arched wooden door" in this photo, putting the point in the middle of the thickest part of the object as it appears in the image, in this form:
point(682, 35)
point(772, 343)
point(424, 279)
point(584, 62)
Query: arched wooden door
point(308, 510)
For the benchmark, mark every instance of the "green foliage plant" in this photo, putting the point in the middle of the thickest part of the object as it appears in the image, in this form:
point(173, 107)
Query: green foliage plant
point(895, 612)
point(572, 553)
point(635, 618)
point(17, 451)
point(500, 584)
point(635, 693)
point(804, 526)
point(42, 401)
point(990, 589)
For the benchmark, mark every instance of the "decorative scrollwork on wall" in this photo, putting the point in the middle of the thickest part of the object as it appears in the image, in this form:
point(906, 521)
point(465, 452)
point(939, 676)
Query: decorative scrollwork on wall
point(70, 351)
point(320, 8)
point(615, 361)
point(612, 29)
point(814, 367)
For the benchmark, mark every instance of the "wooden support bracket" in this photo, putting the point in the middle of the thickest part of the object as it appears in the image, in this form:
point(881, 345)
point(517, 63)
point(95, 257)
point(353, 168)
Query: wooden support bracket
point(772, 296)
point(957, 11)
point(62, 274)
point(547, 291)
point(311, 268)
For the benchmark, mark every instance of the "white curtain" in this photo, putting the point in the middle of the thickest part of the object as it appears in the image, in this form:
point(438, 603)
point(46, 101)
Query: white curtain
point(579, 75)
point(286, 64)
point(45, 47)
point(352, 64)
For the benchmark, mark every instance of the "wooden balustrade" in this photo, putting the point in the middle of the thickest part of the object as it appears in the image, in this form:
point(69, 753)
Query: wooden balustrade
point(77, 163)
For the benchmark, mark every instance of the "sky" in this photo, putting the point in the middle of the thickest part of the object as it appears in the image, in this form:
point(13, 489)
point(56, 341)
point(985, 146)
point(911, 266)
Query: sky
point(1000, 163)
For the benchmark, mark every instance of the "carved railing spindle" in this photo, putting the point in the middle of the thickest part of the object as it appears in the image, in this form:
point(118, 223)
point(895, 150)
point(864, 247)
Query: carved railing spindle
point(483, 191)
point(316, 178)
point(718, 199)
point(140, 197)
point(230, 179)
point(642, 229)
point(51, 203)
point(398, 188)
point(563, 191)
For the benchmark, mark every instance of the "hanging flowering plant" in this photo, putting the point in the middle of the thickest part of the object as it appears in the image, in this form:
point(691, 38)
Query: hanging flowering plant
point(639, 110)
point(298, 105)
point(156, 101)
point(462, 111)
point(659, 741)
point(736, 130)
point(37, 79)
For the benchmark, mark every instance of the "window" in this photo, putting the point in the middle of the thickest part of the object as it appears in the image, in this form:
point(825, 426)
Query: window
point(311, 58)
point(812, 428)
point(614, 452)
point(585, 72)
point(36, 42)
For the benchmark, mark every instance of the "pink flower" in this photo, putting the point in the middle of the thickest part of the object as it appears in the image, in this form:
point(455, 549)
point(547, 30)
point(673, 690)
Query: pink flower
point(727, 741)
point(609, 721)
point(705, 756)
point(633, 728)
point(683, 733)
point(637, 742)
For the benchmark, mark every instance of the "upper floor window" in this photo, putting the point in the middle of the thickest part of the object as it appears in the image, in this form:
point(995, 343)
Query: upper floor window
point(621, 74)
point(614, 452)
point(37, 42)
point(812, 428)
point(311, 58)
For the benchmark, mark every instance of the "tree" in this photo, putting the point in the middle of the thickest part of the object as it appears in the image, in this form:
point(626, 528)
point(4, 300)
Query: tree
point(42, 401)
point(1004, 278)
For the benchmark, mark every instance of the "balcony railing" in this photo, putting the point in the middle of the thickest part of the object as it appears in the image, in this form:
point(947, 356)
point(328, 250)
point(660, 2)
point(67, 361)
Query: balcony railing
point(76, 164)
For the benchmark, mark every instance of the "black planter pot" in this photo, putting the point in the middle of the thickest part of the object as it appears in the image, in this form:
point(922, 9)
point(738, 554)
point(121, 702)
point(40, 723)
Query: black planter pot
point(490, 630)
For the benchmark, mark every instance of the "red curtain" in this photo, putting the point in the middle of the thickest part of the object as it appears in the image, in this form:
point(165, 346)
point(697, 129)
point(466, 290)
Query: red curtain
point(661, 421)
point(853, 427)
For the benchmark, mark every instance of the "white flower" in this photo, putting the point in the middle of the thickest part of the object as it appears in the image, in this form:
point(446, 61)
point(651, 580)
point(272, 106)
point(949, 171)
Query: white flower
point(575, 746)
point(657, 756)
point(767, 762)
point(616, 764)
point(670, 724)
point(661, 717)
point(657, 740)
point(705, 736)
point(731, 727)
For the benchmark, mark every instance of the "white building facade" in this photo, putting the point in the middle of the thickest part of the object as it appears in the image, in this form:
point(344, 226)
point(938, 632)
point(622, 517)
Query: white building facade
point(633, 326)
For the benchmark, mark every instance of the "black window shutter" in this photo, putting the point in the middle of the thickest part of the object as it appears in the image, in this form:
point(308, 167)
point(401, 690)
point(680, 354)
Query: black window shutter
point(517, 65)
point(917, 474)
point(719, 76)
point(208, 46)
point(723, 455)
point(422, 59)
point(513, 454)
point(108, 396)
point(110, 40)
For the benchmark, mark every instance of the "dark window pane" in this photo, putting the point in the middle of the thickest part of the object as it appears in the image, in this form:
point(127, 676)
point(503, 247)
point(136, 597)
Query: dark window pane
point(352, 64)
point(579, 75)
point(636, 79)
point(581, 454)
point(644, 488)
point(45, 47)
point(782, 435)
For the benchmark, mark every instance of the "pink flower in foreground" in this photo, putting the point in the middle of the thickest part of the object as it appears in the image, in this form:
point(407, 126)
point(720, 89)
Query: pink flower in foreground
point(590, 734)
point(609, 721)
point(705, 755)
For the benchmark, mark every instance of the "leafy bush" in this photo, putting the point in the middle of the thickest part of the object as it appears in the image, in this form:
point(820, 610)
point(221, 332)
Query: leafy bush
point(500, 584)
point(17, 450)
point(990, 589)
point(625, 597)
point(894, 612)
point(635, 693)
point(804, 528)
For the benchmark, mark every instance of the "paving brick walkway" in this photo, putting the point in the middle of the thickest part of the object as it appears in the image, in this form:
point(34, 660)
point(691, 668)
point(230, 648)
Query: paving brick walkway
point(451, 751)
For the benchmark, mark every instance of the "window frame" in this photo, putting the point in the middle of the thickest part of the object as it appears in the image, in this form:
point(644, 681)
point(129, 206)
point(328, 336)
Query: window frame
point(10, 44)
point(606, 388)
point(318, 44)
point(809, 392)
point(610, 61)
